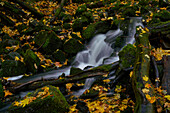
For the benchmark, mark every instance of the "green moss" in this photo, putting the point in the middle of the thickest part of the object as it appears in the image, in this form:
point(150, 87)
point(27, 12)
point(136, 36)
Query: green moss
point(56, 103)
point(73, 46)
point(119, 42)
point(74, 70)
point(163, 15)
point(12, 68)
point(80, 10)
point(59, 56)
point(66, 26)
point(88, 33)
point(127, 56)
point(48, 41)
point(32, 61)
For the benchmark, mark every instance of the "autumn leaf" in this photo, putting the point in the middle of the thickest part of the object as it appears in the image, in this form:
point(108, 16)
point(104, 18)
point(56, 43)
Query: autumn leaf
point(69, 85)
point(24, 102)
point(167, 97)
point(145, 90)
point(106, 80)
point(131, 73)
point(7, 93)
point(145, 78)
point(147, 85)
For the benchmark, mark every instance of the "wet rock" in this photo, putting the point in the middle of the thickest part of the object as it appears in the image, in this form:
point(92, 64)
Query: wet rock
point(80, 10)
point(59, 56)
point(12, 55)
point(52, 101)
point(127, 56)
point(73, 46)
point(159, 36)
point(82, 107)
point(74, 70)
point(12, 68)
point(48, 41)
point(96, 28)
point(32, 61)
point(66, 26)
point(79, 23)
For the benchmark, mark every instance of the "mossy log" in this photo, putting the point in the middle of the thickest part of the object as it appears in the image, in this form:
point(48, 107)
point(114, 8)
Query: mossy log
point(140, 75)
point(29, 8)
point(32, 85)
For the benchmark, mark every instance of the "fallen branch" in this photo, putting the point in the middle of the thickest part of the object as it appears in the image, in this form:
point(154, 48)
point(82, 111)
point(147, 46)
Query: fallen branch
point(31, 85)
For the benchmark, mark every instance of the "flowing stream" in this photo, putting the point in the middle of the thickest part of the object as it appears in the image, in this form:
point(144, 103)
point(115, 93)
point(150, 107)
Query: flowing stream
point(98, 52)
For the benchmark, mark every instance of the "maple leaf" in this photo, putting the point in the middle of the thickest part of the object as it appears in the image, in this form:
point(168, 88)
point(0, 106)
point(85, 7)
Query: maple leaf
point(147, 85)
point(24, 102)
point(16, 103)
point(167, 96)
point(131, 73)
point(145, 78)
point(69, 85)
point(7, 93)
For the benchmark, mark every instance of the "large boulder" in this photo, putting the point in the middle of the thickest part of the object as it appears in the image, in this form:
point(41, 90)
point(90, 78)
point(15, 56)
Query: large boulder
point(59, 56)
point(73, 46)
point(12, 68)
point(32, 61)
point(127, 56)
point(48, 99)
point(48, 41)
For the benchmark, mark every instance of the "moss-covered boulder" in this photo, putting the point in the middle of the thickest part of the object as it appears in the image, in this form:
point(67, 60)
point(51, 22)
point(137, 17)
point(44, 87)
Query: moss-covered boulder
point(32, 61)
point(79, 23)
point(74, 70)
point(12, 68)
point(13, 55)
point(127, 56)
point(48, 41)
point(66, 26)
point(48, 99)
point(163, 15)
point(96, 28)
point(59, 56)
point(120, 41)
point(73, 46)
point(80, 10)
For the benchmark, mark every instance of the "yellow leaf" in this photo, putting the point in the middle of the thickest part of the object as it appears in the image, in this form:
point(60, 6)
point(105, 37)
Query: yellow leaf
point(69, 85)
point(148, 96)
point(145, 78)
point(7, 93)
point(16, 58)
point(147, 85)
point(145, 90)
point(131, 73)
point(24, 102)
point(106, 80)
point(167, 96)
point(16, 103)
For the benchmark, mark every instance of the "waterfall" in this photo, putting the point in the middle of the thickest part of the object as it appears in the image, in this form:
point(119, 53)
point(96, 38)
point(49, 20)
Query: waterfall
point(98, 52)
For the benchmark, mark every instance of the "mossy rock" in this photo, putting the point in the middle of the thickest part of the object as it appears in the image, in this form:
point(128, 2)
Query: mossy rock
point(67, 18)
point(89, 16)
point(55, 102)
point(163, 15)
point(89, 32)
point(79, 23)
point(73, 46)
point(48, 41)
point(32, 61)
point(80, 10)
point(74, 70)
point(66, 26)
point(120, 41)
point(96, 28)
point(12, 68)
point(127, 56)
point(12, 55)
point(90, 94)
point(59, 56)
